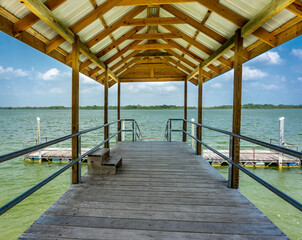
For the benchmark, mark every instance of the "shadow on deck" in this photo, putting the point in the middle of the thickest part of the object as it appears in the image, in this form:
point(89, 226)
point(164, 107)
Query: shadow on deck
point(162, 191)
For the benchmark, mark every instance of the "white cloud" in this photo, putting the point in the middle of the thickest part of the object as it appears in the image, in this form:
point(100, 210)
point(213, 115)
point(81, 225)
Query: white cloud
point(56, 91)
point(11, 72)
point(300, 79)
point(272, 58)
point(265, 86)
point(269, 86)
point(51, 74)
point(87, 80)
point(252, 73)
point(216, 85)
point(297, 53)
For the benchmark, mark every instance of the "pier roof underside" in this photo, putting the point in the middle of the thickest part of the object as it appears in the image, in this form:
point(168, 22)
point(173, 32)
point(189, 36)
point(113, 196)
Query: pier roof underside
point(151, 40)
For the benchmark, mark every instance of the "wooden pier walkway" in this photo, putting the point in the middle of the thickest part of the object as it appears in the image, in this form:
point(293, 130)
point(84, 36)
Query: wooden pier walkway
point(162, 191)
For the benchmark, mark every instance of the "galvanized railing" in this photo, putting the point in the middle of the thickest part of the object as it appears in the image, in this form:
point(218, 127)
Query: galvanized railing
point(36, 187)
point(232, 136)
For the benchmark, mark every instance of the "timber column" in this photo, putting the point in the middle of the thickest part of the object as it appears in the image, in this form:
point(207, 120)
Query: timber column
point(199, 129)
point(76, 168)
point(119, 109)
point(106, 129)
point(184, 136)
point(235, 142)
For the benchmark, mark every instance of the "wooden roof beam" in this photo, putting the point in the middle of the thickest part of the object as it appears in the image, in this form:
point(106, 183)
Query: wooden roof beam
point(238, 20)
point(268, 12)
point(153, 36)
point(154, 54)
point(117, 42)
point(40, 10)
point(152, 46)
point(155, 79)
point(89, 18)
point(191, 21)
point(30, 19)
point(124, 50)
point(110, 29)
point(295, 8)
point(150, 2)
point(152, 21)
point(196, 44)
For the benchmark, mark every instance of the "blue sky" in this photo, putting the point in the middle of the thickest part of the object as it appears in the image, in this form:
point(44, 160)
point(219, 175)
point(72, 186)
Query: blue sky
point(30, 78)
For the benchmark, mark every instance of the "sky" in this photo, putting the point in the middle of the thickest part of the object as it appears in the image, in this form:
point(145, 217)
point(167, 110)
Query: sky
point(31, 78)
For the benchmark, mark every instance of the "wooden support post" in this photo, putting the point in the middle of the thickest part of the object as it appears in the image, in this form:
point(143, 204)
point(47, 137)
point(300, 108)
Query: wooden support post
point(75, 172)
point(106, 129)
point(199, 129)
point(119, 110)
point(234, 180)
point(184, 136)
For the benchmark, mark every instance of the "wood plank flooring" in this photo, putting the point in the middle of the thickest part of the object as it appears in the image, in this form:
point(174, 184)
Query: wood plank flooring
point(162, 191)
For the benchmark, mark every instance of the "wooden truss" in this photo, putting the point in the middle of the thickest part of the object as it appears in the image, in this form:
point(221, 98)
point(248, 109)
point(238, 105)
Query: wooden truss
point(151, 53)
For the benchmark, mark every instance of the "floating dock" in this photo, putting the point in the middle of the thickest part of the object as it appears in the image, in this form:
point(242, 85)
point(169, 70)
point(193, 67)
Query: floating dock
point(162, 191)
point(249, 158)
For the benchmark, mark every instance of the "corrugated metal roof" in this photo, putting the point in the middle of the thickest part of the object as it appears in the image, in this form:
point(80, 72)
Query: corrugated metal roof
point(72, 11)
point(221, 25)
point(193, 9)
point(278, 20)
point(15, 7)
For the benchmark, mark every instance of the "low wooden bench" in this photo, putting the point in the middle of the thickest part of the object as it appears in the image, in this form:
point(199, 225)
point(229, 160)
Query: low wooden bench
point(101, 163)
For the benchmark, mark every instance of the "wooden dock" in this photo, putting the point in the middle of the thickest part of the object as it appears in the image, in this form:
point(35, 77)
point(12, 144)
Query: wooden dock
point(162, 191)
point(249, 158)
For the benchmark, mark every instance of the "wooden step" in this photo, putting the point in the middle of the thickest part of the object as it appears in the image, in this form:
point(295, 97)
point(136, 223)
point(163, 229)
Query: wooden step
point(100, 154)
point(115, 161)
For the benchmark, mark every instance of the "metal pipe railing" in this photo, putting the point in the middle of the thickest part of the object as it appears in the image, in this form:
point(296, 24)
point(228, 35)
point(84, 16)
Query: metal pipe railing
point(36, 187)
point(275, 190)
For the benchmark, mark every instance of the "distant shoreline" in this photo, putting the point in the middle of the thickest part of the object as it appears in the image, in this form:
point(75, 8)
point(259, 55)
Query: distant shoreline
point(161, 107)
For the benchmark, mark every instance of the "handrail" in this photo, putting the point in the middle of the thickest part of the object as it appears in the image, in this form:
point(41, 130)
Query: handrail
point(18, 153)
point(252, 140)
point(36, 187)
point(139, 134)
point(275, 190)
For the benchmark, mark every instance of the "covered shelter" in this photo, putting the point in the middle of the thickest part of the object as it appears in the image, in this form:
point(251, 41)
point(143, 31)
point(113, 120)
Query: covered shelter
point(124, 41)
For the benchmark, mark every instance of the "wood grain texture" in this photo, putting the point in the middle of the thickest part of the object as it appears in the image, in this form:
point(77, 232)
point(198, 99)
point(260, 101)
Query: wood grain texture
point(162, 191)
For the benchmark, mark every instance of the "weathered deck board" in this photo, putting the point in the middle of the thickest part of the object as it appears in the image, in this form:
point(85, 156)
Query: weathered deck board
point(162, 191)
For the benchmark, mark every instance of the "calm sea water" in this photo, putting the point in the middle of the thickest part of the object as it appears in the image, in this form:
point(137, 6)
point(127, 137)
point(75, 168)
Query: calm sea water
point(17, 127)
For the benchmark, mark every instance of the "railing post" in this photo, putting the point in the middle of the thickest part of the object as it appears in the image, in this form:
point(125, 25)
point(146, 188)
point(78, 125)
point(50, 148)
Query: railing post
point(193, 132)
point(133, 131)
point(170, 130)
point(199, 129)
point(231, 155)
point(75, 108)
point(106, 129)
point(119, 109)
point(79, 162)
point(281, 140)
point(38, 141)
point(184, 135)
point(123, 128)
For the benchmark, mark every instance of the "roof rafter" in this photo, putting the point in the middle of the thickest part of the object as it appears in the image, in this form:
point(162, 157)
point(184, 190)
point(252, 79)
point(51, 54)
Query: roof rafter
point(191, 21)
point(237, 19)
point(268, 12)
point(30, 19)
point(40, 10)
point(110, 29)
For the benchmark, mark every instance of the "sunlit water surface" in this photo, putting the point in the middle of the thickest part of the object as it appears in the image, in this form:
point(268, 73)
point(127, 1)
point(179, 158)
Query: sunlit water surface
point(19, 126)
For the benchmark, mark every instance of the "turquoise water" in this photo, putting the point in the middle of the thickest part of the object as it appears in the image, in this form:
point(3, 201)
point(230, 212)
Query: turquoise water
point(19, 126)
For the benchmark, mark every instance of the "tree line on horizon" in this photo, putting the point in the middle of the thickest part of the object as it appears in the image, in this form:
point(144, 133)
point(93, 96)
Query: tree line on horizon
point(163, 107)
